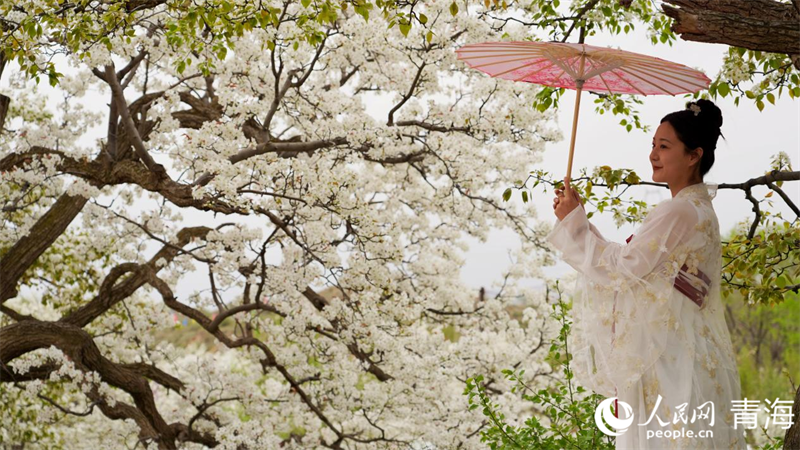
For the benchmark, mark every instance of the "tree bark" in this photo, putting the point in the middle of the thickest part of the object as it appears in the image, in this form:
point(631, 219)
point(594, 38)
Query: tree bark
point(26, 336)
point(4, 104)
point(791, 440)
point(763, 25)
point(4, 100)
point(42, 235)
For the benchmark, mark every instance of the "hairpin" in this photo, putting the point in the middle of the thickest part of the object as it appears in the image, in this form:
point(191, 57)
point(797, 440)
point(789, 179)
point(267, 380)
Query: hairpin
point(694, 107)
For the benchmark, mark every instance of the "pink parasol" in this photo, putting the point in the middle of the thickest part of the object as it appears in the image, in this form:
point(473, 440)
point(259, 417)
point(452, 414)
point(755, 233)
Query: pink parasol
point(582, 66)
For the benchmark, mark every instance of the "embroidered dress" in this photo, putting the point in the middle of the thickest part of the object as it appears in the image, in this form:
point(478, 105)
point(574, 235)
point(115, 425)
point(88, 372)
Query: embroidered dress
point(648, 321)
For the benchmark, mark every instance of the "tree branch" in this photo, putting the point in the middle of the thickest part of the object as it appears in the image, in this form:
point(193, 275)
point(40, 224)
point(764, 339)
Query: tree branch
point(588, 6)
point(408, 95)
point(24, 337)
point(763, 25)
point(130, 126)
point(65, 410)
point(16, 261)
point(286, 149)
point(112, 292)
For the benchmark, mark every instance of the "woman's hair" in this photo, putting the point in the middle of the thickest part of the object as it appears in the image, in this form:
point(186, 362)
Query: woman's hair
point(698, 126)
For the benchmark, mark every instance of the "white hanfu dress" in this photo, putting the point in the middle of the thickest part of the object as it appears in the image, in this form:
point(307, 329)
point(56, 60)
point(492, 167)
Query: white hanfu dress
point(648, 321)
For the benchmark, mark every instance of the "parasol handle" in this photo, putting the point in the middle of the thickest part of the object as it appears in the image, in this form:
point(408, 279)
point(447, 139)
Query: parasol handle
point(574, 129)
point(578, 84)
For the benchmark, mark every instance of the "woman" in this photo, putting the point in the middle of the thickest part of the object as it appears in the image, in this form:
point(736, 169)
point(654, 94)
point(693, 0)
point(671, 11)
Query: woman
point(648, 325)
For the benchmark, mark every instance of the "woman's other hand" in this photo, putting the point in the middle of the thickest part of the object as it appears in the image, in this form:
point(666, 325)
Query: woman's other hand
point(566, 200)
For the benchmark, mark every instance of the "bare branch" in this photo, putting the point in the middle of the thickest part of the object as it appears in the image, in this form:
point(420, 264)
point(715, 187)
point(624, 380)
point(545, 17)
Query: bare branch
point(408, 95)
point(286, 149)
point(432, 127)
point(111, 292)
point(785, 198)
point(154, 373)
point(68, 411)
point(588, 6)
point(130, 126)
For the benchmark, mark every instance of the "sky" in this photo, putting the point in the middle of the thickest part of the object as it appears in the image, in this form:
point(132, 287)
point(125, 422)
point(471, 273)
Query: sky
point(752, 137)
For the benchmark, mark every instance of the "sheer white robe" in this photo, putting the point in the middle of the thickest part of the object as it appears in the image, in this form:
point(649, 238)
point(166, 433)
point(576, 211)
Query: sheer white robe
point(636, 336)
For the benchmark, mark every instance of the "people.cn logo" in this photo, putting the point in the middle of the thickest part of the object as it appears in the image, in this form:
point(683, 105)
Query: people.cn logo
point(619, 424)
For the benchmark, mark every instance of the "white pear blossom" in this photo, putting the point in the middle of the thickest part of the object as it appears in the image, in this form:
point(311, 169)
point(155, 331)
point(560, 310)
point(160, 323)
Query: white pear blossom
point(345, 226)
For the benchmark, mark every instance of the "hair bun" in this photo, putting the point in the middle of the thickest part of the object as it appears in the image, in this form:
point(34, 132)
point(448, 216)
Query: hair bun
point(698, 126)
point(709, 112)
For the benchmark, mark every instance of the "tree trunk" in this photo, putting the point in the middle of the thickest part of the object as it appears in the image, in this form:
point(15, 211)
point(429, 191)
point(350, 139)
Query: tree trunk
point(4, 103)
point(763, 25)
point(4, 100)
point(44, 232)
point(791, 440)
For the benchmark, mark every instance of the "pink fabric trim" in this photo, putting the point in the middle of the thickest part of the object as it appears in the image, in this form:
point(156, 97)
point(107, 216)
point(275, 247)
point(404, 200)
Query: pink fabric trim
point(683, 285)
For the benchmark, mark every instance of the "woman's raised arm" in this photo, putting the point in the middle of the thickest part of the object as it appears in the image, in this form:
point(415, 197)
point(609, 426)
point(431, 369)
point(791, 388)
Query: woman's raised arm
point(661, 234)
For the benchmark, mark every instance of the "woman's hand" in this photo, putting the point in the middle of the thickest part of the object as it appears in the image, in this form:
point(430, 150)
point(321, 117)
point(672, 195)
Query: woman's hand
point(566, 200)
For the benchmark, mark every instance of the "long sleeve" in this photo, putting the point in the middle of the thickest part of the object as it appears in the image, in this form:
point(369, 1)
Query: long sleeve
point(593, 229)
point(668, 225)
point(625, 308)
point(596, 232)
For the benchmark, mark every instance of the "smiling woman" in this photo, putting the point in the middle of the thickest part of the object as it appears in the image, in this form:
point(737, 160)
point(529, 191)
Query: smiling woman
point(684, 144)
point(649, 327)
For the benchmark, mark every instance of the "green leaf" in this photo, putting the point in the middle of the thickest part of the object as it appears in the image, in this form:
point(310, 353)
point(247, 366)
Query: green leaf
point(429, 36)
point(524, 196)
point(507, 194)
point(405, 28)
point(760, 105)
point(363, 11)
point(423, 19)
point(453, 8)
point(771, 97)
point(723, 89)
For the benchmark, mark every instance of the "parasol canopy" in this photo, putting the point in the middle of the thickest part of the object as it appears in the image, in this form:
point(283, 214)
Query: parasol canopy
point(582, 66)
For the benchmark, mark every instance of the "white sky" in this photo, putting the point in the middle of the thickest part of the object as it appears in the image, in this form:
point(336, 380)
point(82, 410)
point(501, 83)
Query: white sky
point(753, 137)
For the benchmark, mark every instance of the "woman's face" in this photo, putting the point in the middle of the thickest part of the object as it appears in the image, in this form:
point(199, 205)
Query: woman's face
point(669, 160)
